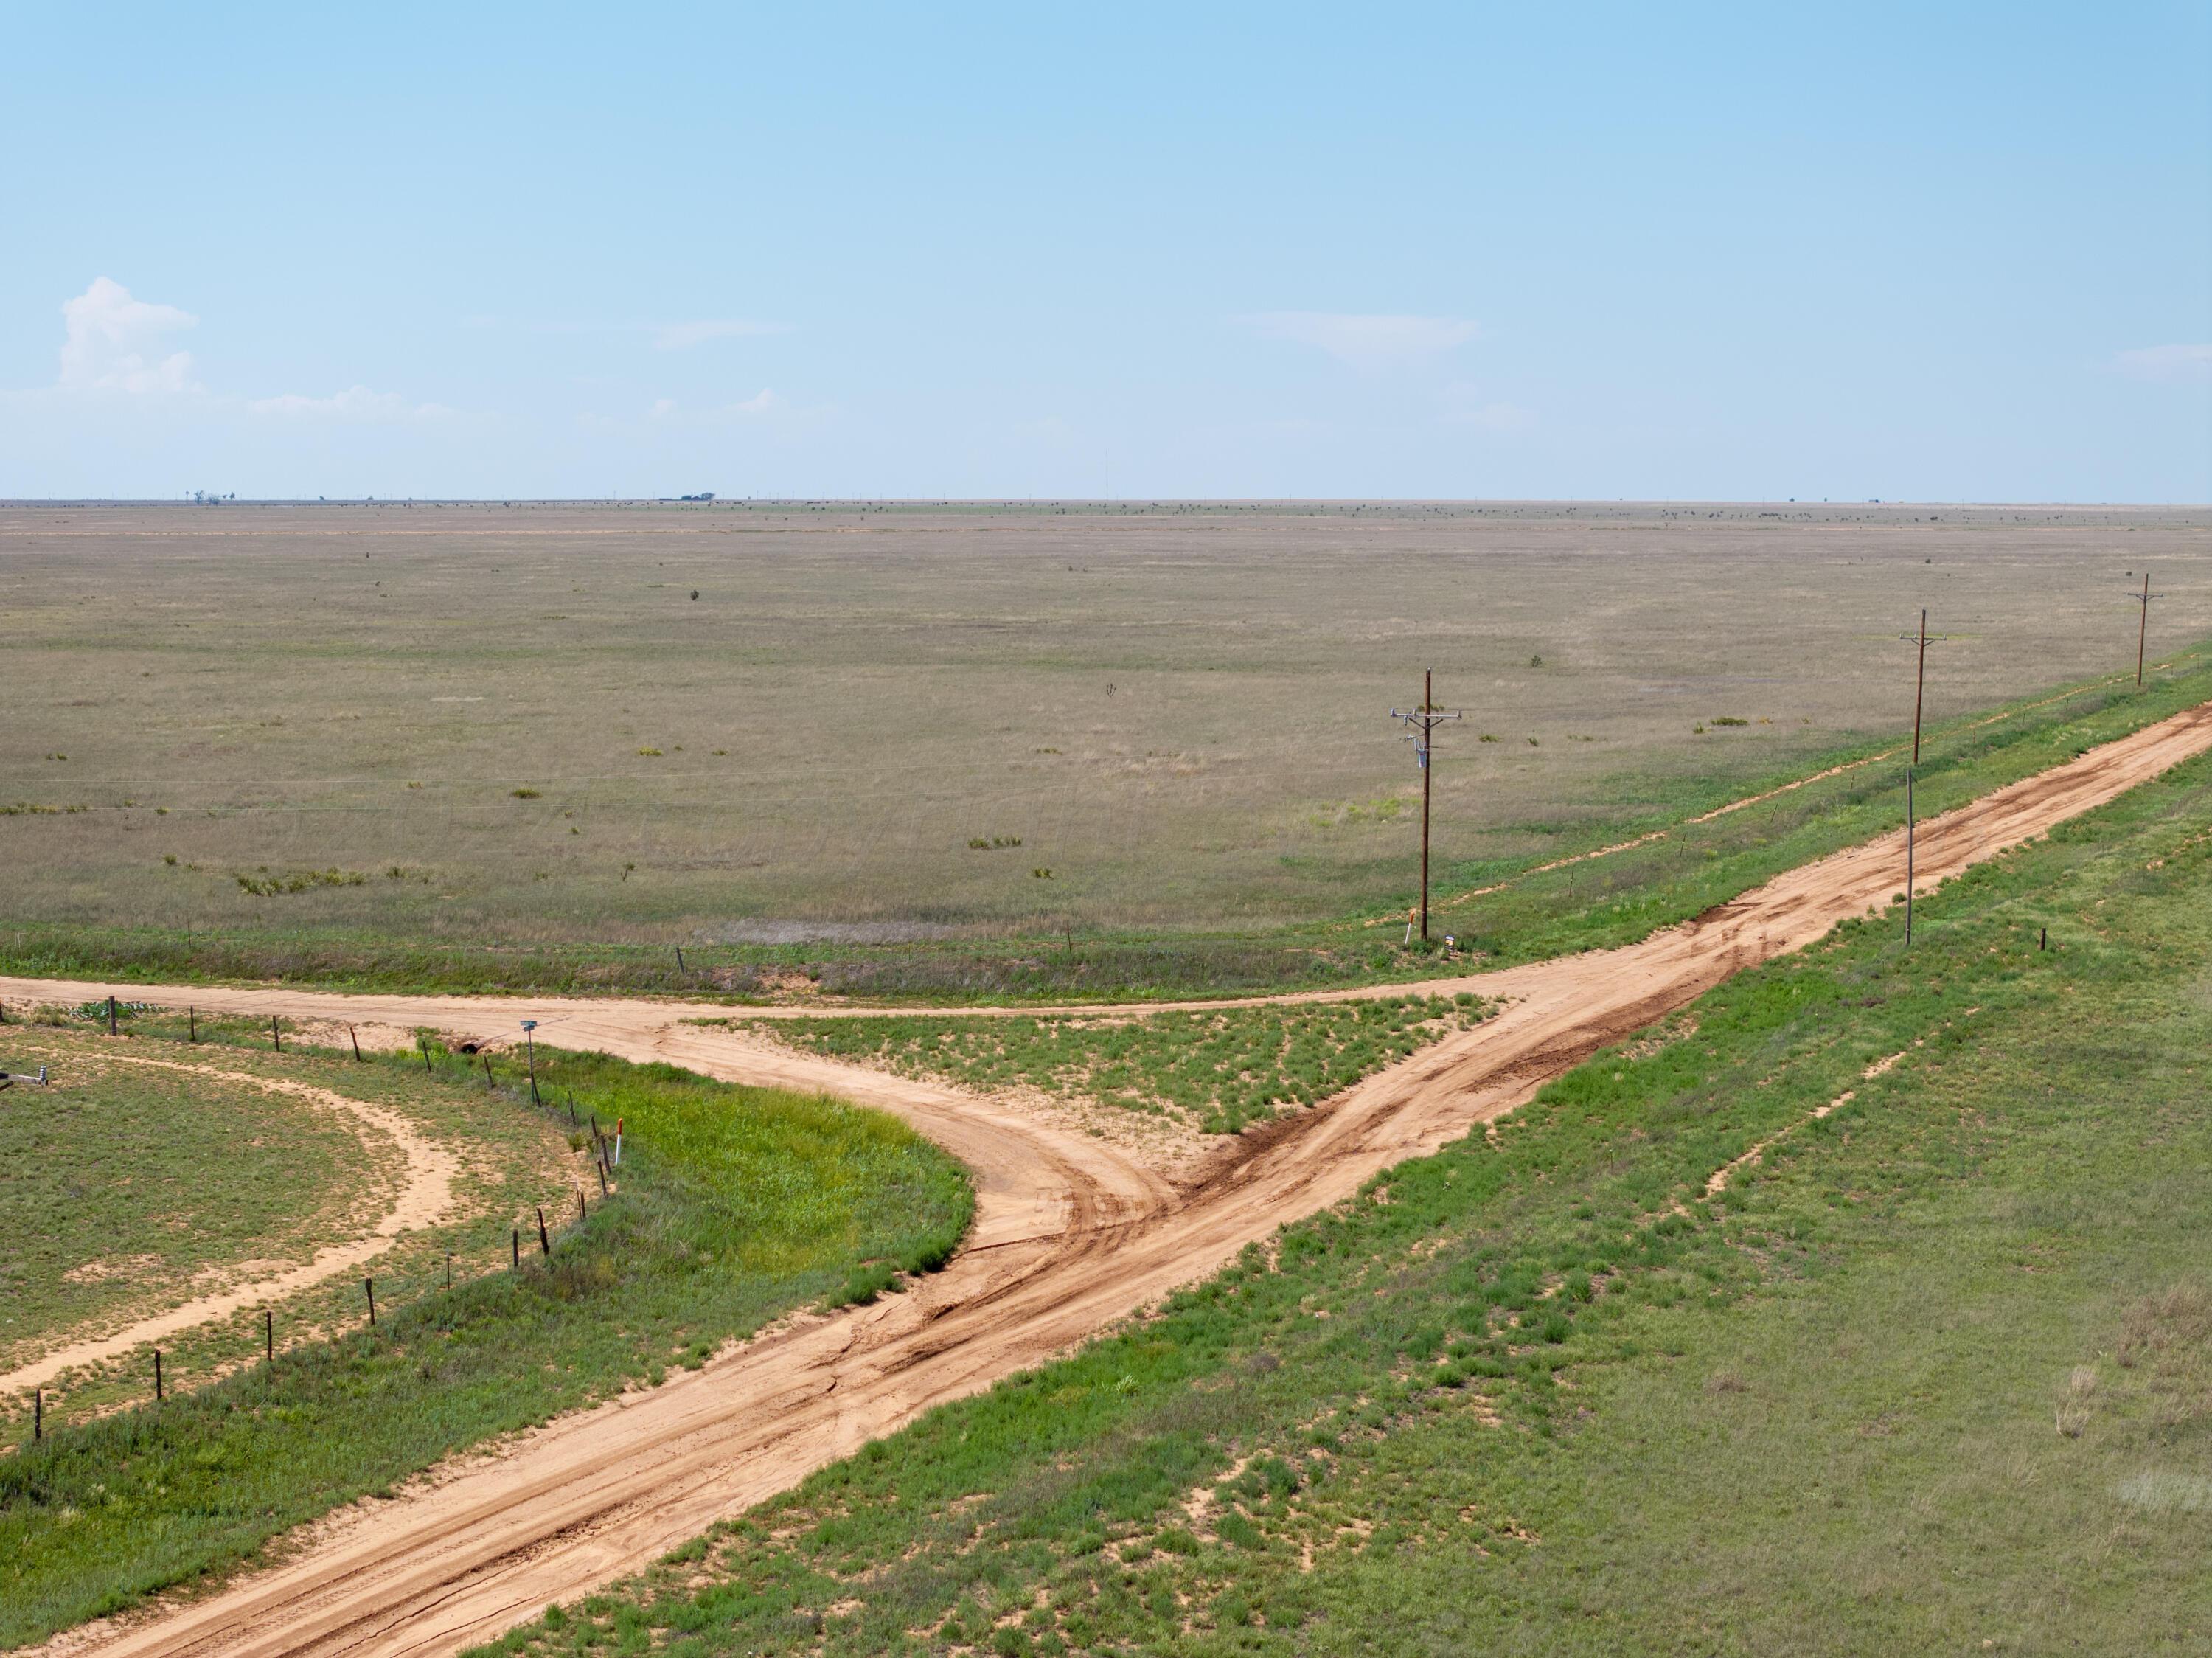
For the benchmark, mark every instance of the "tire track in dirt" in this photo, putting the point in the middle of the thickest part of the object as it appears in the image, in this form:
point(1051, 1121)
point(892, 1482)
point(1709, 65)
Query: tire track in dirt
point(425, 1198)
point(1071, 1235)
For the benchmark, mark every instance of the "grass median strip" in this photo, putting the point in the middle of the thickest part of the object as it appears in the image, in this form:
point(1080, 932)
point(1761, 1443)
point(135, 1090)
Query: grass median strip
point(735, 1204)
point(1924, 1376)
point(1219, 1071)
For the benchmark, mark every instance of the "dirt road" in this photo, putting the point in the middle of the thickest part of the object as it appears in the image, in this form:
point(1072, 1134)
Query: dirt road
point(1071, 1233)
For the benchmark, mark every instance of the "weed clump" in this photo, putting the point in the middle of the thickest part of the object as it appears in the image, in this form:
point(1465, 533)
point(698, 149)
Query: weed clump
point(265, 885)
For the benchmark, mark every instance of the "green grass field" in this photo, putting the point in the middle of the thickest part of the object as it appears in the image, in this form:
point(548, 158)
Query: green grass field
point(1929, 1375)
point(141, 1186)
point(1215, 1071)
point(122, 1181)
point(736, 1205)
point(943, 753)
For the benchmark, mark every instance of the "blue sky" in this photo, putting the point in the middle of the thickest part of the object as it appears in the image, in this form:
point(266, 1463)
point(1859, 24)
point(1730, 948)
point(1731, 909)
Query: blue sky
point(1947, 253)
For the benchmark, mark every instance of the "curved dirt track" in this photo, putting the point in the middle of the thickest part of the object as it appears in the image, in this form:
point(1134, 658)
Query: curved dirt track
point(425, 1194)
point(1071, 1235)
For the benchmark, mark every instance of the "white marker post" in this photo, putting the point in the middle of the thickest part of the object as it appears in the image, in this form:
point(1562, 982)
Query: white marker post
point(528, 1027)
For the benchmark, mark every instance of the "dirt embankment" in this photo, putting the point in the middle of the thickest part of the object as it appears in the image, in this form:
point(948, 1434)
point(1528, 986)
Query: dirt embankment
point(1071, 1233)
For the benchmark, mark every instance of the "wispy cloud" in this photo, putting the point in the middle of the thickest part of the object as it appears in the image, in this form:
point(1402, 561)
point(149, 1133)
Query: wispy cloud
point(1365, 341)
point(664, 336)
point(670, 412)
point(356, 403)
point(110, 343)
point(681, 336)
point(2165, 363)
point(1461, 403)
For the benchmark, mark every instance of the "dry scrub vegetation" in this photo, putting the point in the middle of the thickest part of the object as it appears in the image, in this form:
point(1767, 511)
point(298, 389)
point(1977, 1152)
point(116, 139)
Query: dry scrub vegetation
point(378, 731)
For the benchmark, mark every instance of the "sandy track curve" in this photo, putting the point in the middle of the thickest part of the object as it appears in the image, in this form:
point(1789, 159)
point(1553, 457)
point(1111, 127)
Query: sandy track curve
point(425, 1198)
point(1072, 1235)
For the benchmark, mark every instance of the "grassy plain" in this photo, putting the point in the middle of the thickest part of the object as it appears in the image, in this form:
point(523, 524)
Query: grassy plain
point(470, 745)
point(736, 1205)
point(139, 1187)
point(1928, 1373)
point(1218, 1072)
point(122, 1181)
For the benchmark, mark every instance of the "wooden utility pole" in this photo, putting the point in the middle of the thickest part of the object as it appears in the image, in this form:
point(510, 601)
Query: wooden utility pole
point(2142, 627)
point(1922, 639)
point(1920, 686)
point(1422, 724)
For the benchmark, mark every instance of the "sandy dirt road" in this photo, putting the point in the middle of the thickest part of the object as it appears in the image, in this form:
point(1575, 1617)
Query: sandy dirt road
point(1071, 1235)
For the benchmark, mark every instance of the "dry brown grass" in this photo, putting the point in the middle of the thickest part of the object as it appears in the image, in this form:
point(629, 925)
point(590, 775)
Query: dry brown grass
point(518, 726)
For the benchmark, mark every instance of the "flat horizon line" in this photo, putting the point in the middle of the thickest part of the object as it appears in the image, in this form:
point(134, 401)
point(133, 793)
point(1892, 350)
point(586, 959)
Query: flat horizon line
point(735, 501)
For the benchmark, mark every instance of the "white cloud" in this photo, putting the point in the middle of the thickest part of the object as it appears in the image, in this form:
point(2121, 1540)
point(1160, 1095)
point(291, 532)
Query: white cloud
point(668, 410)
point(1461, 403)
point(2165, 363)
point(1367, 342)
point(680, 336)
point(111, 343)
point(356, 403)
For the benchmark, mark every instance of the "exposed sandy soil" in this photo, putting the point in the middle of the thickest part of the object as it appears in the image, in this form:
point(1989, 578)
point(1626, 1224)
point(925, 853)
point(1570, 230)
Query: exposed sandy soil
point(424, 1197)
point(1071, 1233)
